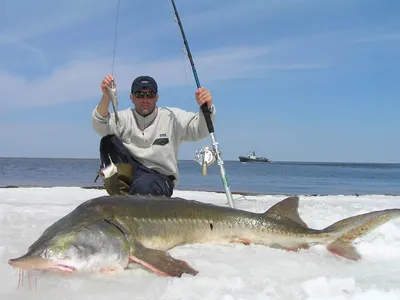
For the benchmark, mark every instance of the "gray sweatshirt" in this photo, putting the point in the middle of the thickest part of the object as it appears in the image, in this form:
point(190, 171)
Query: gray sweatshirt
point(154, 140)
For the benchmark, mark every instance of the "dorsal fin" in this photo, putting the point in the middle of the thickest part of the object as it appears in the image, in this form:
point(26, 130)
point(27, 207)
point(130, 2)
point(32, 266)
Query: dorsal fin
point(286, 209)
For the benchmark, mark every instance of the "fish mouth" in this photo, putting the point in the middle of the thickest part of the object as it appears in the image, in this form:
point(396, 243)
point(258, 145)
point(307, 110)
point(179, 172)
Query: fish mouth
point(61, 268)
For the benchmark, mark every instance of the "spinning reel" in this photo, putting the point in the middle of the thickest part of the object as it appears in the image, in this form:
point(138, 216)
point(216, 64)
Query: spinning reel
point(205, 157)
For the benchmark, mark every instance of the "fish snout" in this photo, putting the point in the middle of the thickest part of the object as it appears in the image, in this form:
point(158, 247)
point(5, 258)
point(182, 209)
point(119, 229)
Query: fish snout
point(29, 262)
point(40, 264)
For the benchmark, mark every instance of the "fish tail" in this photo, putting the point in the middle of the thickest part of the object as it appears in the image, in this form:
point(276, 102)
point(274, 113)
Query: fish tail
point(349, 229)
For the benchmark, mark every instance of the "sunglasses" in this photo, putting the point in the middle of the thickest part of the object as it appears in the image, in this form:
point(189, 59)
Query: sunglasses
point(140, 94)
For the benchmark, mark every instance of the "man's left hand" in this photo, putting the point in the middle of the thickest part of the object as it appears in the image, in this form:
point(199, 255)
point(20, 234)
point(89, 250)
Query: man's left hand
point(203, 96)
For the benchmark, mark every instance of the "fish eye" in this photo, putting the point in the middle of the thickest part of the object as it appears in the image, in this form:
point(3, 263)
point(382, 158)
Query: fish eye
point(48, 253)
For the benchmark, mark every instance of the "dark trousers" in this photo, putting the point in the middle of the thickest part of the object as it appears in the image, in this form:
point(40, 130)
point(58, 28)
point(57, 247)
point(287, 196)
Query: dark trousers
point(145, 181)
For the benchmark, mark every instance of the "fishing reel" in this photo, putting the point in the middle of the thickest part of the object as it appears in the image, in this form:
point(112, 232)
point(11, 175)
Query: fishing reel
point(205, 157)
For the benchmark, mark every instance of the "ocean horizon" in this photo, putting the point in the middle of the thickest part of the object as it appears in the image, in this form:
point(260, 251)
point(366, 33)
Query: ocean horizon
point(225, 160)
point(276, 177)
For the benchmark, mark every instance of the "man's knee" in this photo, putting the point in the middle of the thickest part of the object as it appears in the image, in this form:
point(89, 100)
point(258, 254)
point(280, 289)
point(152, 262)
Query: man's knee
point(108, 141)
point(152, 184)
point(112, 147)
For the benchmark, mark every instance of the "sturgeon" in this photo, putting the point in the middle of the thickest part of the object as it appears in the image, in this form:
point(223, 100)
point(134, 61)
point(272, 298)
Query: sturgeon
point(108, 233)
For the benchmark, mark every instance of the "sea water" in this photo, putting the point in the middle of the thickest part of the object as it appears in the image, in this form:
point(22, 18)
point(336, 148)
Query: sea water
point(262, 178)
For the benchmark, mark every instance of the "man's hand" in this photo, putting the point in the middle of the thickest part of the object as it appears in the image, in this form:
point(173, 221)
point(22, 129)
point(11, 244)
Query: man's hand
point(203, 96)
point(102, 108)
point(106, 83)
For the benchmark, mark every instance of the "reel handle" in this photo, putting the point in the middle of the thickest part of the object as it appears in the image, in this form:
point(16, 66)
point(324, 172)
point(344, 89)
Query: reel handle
point(204, 169)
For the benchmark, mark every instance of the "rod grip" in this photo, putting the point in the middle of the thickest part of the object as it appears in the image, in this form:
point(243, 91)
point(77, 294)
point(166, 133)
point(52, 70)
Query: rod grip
point(207, 116)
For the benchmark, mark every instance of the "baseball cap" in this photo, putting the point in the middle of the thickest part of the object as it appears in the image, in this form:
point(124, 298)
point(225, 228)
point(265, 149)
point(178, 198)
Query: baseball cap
point(144, 82)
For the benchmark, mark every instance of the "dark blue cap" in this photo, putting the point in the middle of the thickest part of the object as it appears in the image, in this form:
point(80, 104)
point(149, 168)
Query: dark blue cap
point(144, 82)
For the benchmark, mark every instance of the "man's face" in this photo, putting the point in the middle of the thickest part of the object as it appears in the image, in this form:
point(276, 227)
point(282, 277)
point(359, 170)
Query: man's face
point(144, 100)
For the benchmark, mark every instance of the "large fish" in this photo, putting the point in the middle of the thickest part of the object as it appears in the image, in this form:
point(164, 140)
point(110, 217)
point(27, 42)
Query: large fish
point(112, 93)
point(107, 233)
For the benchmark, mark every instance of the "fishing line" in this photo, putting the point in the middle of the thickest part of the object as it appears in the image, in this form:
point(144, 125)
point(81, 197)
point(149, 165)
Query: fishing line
point(189, 54)
point(185, 67)
point(115, 39)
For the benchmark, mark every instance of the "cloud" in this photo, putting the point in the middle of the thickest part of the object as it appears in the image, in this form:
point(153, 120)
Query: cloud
point(26, 21)
point(79, 80)
point(48, 16)
point(236, 11)
point(67, 140)
point(384, 37)
point(293, 67)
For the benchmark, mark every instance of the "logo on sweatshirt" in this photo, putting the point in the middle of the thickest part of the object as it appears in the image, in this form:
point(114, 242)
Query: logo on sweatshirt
point(163, 135)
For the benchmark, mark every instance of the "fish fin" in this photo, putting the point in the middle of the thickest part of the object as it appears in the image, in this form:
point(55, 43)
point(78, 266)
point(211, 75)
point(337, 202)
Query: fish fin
point(342, 248)
point(160, 262)
point(286, 209)
point(354, 227)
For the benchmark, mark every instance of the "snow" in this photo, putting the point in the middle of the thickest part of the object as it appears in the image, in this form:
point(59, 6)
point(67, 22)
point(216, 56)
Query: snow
point(226, 272)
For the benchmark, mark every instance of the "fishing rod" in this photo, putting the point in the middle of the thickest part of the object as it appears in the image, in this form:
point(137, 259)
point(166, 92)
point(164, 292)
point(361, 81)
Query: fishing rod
point(207, 115)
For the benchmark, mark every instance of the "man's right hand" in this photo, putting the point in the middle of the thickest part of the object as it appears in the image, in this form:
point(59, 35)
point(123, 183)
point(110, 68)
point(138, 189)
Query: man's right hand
point(102, 107)
point(106, 83)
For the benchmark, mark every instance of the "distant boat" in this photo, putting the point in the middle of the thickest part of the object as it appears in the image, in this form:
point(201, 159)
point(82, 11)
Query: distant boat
point(252, 157)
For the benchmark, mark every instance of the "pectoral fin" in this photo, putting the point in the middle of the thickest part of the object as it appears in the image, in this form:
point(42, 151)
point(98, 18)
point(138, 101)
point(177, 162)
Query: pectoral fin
point(160, 262)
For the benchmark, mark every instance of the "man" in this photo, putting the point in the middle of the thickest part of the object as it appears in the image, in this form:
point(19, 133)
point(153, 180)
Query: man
point(144, 145)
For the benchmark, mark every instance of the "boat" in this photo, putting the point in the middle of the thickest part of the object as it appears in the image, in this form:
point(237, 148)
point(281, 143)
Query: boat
point(252, 157)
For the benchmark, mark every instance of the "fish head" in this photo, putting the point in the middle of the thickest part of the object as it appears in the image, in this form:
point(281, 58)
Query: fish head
point(88, 248)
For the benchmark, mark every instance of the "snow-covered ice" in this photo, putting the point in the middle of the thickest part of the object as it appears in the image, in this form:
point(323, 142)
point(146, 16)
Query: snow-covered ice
point(226, 272)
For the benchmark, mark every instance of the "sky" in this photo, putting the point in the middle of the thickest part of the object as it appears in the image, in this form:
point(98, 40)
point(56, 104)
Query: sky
point(294, 80)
